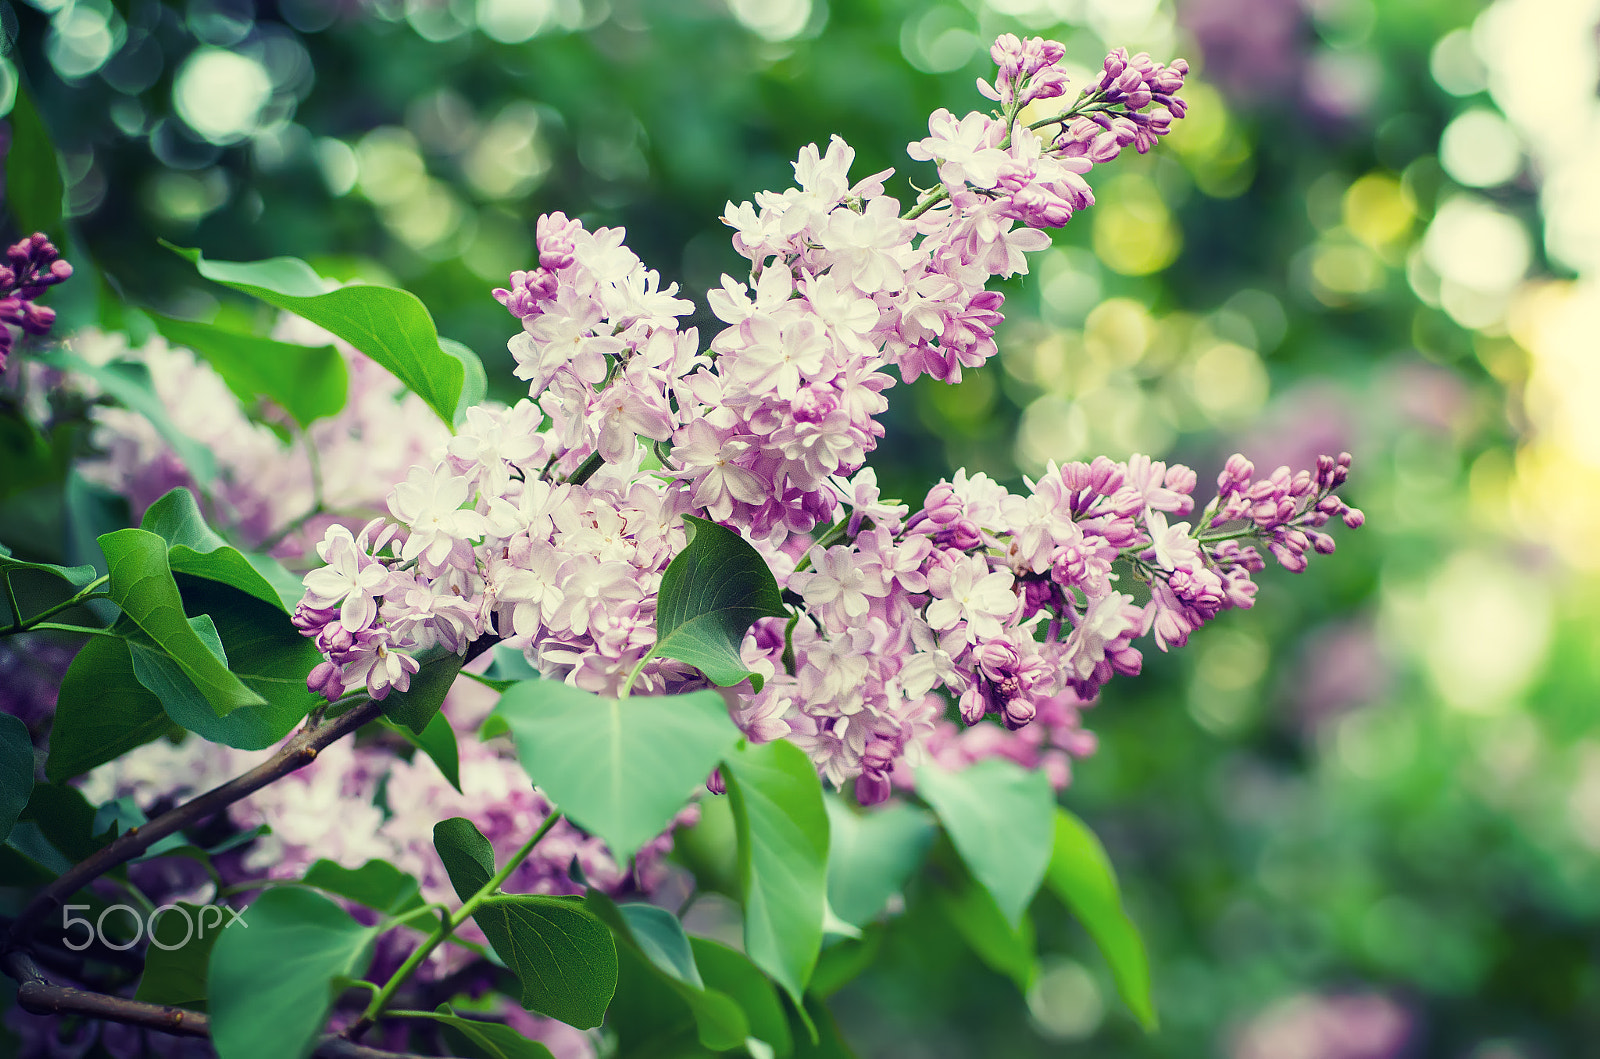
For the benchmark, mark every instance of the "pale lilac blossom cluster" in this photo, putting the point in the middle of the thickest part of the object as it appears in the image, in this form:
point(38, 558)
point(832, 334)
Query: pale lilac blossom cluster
point(1020, 606)
point(552, 521)
point(268, 491)
point(32, 266)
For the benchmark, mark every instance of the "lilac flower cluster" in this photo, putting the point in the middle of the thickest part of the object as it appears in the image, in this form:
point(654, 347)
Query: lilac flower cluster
point(550, 523)
point(1014, 606)
point(268, 492)
point(32, 267)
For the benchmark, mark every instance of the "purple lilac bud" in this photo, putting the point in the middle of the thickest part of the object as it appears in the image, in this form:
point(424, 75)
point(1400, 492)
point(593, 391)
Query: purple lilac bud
point(34, 266)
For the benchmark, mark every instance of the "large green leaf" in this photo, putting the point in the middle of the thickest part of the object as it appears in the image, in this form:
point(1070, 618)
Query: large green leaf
point(730, 972)
point(262, 649)
point(142, 585)
point(871, 855)
point(660, 936)
point(271, 979)
point(1081, 875)
point(181, 940)
point(16, 771)
point(620, 769)
point(438, 740)
point(1005, 947)
point(494, 1040)
point(998, 816)
point(711, 593)
point(389, 325)
point(33, 172)
point(308, 382)
point(194, 548)
point(564, 957)
point(377, 884)
point(652, 939)
point(782, 825)
point(129, 384)
point(102, 711)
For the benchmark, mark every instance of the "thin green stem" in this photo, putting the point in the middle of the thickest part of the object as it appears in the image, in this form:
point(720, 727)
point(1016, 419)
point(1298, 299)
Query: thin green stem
point(586, 469)
point(627, 685)
point(405, 918)
point(834, 534)
point(84, 595)
point(11, 592)
point(926, 204)
point(447, 926)
point(55, 626)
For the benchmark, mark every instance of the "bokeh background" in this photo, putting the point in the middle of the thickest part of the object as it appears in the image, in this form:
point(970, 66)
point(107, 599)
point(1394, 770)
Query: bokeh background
point(1361, 821)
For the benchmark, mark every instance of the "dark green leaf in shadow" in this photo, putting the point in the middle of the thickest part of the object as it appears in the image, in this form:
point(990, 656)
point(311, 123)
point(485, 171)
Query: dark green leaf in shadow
point(711, 593)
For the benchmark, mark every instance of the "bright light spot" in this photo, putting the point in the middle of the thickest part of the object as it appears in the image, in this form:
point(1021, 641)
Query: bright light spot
point(81, 40)
point(499, 245)
point(1052, 428)
point(1342, 269)
point(1065, 1002)
point(220, 94)
point(1374, 741)
point(1230, 383)
point(772, 20)
point(1583, 801)
point(1266, 316)
point(1487, 630)
point(427, 219)
point(1232, 660)
point(436, 22)
point(939, 41)
point(1200, 134)
point(1227, 670)
point(1378, 210)
point(1069, 285)
point(338, 164)
point(8, 86)
point(1479, 149)
point(1134, 232)
point(1477, 246)
point(1455, 65)
point(514, 21)
point(509, 158)
point(1344, 83)
point(1118, 332)
point(187, 197)
point(1572, 211)
point(390, 168)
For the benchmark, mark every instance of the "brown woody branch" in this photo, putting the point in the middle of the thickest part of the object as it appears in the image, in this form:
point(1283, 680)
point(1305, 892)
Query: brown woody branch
point(297, 753)
point(38, 996)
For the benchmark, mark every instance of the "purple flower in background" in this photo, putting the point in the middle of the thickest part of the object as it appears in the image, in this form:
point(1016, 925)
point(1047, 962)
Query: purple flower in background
point(1368, 1025)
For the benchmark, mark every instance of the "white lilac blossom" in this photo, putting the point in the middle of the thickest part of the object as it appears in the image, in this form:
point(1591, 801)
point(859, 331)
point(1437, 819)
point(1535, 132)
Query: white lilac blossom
point(554, 520)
